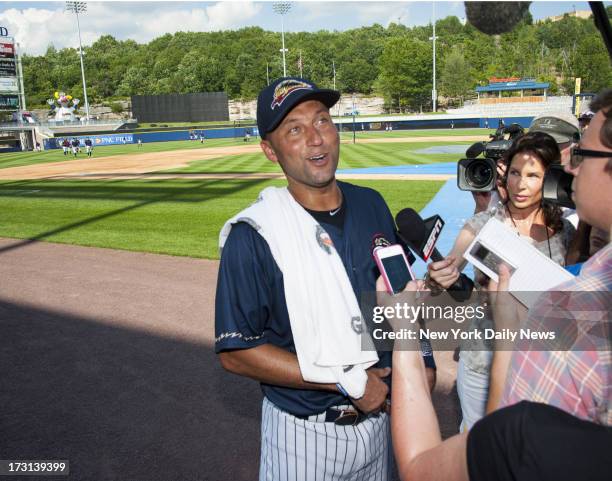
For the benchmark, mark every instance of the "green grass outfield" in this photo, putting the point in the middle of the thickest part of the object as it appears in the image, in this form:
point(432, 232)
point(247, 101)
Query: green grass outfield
point(178, 217)
point(16, 159)
point(377, 134)
point(352, 156)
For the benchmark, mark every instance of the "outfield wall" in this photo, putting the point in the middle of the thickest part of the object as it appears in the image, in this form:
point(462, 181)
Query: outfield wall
point(239, 132)
point(443, 123)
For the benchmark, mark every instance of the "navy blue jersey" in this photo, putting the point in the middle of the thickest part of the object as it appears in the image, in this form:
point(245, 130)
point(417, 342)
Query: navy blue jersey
point(250, 306)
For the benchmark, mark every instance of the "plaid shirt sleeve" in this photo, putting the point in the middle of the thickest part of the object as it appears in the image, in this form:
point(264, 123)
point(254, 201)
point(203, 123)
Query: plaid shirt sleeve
point(579, 378)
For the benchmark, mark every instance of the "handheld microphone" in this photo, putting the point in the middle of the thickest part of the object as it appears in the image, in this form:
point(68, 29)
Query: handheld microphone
point(422, 235)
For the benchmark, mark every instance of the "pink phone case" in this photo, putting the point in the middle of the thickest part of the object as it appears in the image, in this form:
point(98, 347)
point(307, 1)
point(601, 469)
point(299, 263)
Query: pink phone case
point(382, 271)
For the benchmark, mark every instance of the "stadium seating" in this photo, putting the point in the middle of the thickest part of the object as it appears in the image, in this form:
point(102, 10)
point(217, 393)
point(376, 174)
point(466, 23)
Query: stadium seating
point(518, 109)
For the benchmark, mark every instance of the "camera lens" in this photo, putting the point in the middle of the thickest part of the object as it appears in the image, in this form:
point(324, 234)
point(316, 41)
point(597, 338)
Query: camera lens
point(479, 174)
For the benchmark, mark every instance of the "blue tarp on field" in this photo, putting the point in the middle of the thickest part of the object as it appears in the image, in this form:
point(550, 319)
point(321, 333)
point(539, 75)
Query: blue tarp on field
point(449, 168)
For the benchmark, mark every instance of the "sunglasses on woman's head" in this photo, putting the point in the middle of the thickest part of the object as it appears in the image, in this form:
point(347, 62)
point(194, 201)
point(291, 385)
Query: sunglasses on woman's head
point(577, 155)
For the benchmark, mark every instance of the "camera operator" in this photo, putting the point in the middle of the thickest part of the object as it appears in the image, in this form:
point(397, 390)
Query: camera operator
point(499, 143)
point(532, 218)
point(562, 127)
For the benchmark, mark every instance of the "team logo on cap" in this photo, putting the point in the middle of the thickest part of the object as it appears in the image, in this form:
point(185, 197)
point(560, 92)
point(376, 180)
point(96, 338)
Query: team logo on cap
point(286, 88)
point(546, 123)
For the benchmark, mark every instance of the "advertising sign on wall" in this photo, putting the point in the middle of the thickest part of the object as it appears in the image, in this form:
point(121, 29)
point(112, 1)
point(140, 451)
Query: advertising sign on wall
point(99, 140)
point(9, 102)
point(9, 84)
point(112, 139)
point(7, 49)
point(7, 67)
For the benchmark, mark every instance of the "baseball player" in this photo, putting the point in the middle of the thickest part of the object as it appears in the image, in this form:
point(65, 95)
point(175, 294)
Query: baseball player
point(88, 146)
point(75, 146)
point(66, 146)
point(310, 430)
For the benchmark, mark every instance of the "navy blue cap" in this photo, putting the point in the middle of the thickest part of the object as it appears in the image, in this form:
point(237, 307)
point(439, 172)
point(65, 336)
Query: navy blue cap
point(278, 98)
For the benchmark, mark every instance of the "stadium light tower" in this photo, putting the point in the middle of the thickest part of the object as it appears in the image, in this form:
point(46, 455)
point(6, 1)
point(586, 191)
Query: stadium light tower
point(76, 8)
point(282, 8)
point(434, 93)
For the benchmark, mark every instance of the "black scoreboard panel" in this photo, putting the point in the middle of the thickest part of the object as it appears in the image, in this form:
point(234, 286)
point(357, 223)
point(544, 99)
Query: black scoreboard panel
point(204, 106)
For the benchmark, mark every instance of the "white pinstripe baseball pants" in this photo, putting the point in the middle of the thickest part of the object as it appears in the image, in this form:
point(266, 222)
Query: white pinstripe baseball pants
point(294, 449)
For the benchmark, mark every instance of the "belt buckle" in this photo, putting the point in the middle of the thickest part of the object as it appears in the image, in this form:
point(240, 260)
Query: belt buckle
point(348, 418)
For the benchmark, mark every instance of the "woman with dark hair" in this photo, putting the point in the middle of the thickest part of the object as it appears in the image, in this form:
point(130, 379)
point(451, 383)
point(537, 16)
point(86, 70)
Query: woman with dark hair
point(536, 221)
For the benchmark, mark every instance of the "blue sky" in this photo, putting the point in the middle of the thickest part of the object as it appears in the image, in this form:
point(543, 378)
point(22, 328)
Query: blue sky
point(35, 25)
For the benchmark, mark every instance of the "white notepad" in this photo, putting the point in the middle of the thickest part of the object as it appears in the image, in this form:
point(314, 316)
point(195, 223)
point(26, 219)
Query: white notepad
point(532, 271)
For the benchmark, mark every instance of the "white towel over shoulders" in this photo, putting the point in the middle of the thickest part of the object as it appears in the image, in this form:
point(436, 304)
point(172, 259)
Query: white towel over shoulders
point(326, 321)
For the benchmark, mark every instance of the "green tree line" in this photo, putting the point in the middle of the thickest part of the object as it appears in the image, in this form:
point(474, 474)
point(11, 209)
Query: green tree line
point(395, 62)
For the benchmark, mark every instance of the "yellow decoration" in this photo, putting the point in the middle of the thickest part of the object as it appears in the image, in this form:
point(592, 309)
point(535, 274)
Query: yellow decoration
point(56, 95)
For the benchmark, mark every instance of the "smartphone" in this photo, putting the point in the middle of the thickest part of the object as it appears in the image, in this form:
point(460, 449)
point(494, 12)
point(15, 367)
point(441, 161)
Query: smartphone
point(394, 267)
point(488, 262)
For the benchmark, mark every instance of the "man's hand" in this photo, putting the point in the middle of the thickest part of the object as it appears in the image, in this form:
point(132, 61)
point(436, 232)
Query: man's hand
point(383, 298)
point(508, 312)
point(505, 316)
point(407, 296)
point(504, 279)
point(501, 172)
point(482, 200)
point(376, 391)
point(503, 303)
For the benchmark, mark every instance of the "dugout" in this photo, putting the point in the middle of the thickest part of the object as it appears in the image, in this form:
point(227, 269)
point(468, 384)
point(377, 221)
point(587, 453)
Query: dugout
point(196, 107)
point(512, 89)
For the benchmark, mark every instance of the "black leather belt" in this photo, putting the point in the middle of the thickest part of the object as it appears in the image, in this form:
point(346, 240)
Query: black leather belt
point(341, 417)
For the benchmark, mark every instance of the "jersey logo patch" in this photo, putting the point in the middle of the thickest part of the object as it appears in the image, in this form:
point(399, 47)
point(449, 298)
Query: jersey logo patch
point(378, 242)
point(357, 324)
point(324, 240)
point(286, 88)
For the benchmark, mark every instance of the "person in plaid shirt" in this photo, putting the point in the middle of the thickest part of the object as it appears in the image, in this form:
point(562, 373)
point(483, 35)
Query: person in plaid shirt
point(579, 379)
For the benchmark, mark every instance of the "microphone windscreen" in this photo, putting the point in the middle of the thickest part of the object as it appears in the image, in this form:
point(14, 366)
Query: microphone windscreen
point(494, 18)
point(411, 226)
